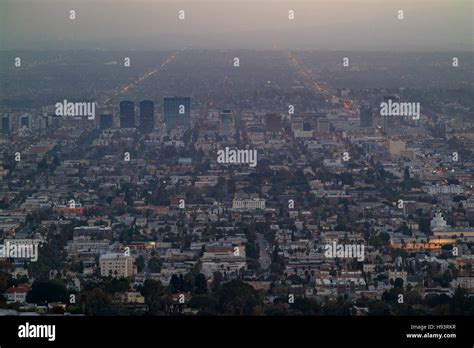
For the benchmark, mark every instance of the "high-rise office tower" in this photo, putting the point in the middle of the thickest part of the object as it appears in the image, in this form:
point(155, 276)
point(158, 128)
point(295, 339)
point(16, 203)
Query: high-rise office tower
point(5, 124)
point(324, 125)
point(25, 121)
point(227, 116)
point(366, 116)
point(226, 123)
point(273, 123)
point(106, 121)
point(387, 122)
point(177, 112)
point(127, 114)
point(147, 115)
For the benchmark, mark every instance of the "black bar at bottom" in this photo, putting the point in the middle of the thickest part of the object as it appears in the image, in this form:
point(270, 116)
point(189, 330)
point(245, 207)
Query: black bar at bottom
point(226, 330)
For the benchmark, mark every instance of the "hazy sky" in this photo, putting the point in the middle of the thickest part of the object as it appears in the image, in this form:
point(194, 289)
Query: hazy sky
point(433, 25)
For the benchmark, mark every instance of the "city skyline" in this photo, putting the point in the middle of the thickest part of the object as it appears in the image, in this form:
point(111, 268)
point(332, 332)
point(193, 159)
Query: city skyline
point(179, 164)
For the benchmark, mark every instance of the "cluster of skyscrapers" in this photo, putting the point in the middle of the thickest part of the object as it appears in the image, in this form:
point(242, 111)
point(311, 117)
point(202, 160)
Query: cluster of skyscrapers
point(366, 116)
point(10, 122)
point(177, 112)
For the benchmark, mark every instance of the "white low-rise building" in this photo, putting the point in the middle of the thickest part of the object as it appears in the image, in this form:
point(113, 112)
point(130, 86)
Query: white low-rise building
point(248, 204)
